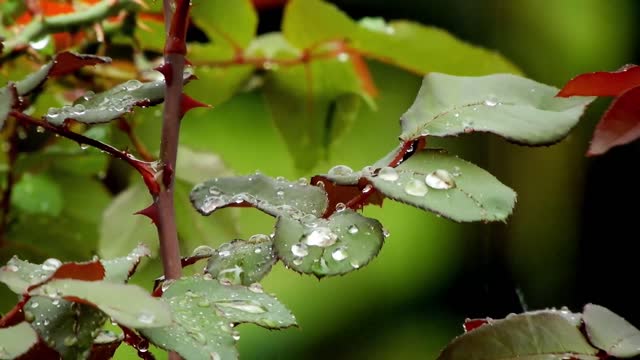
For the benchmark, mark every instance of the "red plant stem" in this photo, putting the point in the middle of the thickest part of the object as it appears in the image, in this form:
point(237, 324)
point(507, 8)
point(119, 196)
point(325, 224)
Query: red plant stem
point(406, 147)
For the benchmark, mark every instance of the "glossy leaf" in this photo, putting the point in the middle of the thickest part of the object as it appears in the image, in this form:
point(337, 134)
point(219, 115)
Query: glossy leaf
point(343, 243)
point(234, 22)
point(516, 108)
point(37, 194)
point(603, 83)
point(16, 340)
point(119, 270)
point(310, 103)
point(539, 335)
point(421, 49)
point(311, 22)
point(242, 262)
point(128, 305)
point(273, 196)
point(619, 125)
point(610, 332)
point(68, 328)
point(111, 104)
point(447, 185)
point(204, 310)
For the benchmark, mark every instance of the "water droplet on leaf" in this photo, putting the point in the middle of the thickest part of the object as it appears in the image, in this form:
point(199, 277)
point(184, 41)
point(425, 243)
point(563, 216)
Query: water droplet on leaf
point(440, 179)
point(340, 170)
point(339, 254)
point(388, 174)
point(341, 207)
point(322, 236)
point(352, 229)
point(299, 250)
point(51, 264)
point(245, 306)
point(416, 188)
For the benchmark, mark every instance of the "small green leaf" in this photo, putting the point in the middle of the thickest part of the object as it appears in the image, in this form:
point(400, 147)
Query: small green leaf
point(205, 312)
point(233, 22)
point(113, 103)
point(242, 262)
point(610, 332)
point(343, 243)
point(19, 275)
point(119, 270)
point(273, 196)
point(16, 340)
point(422, 49)
point(447, 185)
point(69, 328)
point(311, 22)
point(513, 107)
point(129, 305)
point(539, 335)
point(37, 194)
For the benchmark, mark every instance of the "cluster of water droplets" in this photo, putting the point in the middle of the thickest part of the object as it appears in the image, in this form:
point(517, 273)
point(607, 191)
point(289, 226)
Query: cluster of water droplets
point(57, 116)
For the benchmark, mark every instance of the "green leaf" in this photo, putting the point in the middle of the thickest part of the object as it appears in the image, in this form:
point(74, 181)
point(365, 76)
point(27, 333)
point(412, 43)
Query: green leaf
point(7, 100)
point(242, 262)
point(422, 49)
point(232, 22)
point(273, 196)
point(272, 46)
point(16, 340)
point(205, 312)
point(610, 332)
point(69, 328)
point(311, 22)
point(37, 194)
point(218, 84)
point(540, 335)
point(19, 275)
point(447, 185)
point(516, 108)
point(120, 229)
point(119, 270)
point(129, 305)
point(197, 166)
point(309, 104)
point(343, 243)
point(113, 103)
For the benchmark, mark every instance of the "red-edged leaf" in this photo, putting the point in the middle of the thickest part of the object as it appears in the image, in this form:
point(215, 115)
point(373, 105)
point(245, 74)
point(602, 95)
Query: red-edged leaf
point(345, 193)
point(472, 324)
point(619, 125)
point(40, 351)
point(67, 62)
point(89, 271)
point(603, 83)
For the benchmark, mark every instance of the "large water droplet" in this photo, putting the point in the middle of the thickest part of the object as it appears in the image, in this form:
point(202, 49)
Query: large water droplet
point(416, 188)
point(132, 85)
point(339, 254)
point(299, 250)
point(203, 250)
point(84, 146)
point(340, 207)
point(322, 236)
point(352, 229)
point(40, 43)
point(258, 238)
point(340, 170)
point(51, 264)
point(440, 179)
point(388, 174)
point(491, 101)
point(245, 306)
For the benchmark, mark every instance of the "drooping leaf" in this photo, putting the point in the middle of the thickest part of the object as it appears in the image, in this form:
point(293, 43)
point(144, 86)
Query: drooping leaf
point(516, 108)
point(603, 83)
point(242, 262)
point(619, 125)
point(610, 332)
point(310, 103)
point(310, 22)
point(69, 328)
point(539, 335)
point(344, 242)
point(16, 340)
point(205, 312)
point(231, 22)
point(421, 49)
point(119, 270)
point(447, 185)
point(37, 194)
point(273, 196)
point(128, 305)
point(113, 103)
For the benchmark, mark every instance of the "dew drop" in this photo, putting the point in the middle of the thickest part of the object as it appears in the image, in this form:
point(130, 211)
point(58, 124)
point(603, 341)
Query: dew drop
point(258, 238)
point(79, 109)
point(146, 318)
point(303, 181)
point(299, 250)
point(235, 336)
point(339, 254)
point(40, 43)
point(84, 146)
point(51, 264)
point(132, 85)
point(256, 288)
point(491, 101)
point(416, 188)
point(352, 229)
point(35, 305)
point(340, 170)
point(440, 179)
point(456, 171)
point(355, 265)
point(279, 193)
point(340, 207)
point(28, 316)
point(39, 129)
point(202, 250)
point(245, 306)
point(204, 303)
point(322, 236)
point(385, 233)
point(388, 173)
point(297, 261)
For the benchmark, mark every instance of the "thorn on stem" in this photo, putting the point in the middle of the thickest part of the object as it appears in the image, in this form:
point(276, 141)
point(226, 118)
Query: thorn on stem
point(151, 212)
point(187, 103)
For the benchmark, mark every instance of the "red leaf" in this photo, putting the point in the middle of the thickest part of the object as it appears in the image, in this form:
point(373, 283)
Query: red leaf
point(603, 83)
point(267, 4)
point(619, 125)
point(66, 63)
point(89, 271)
point(345, 193)
point(472, 324)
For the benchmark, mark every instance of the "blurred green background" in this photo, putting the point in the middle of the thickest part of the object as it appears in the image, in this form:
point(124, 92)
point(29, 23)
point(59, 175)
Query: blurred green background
point(432, 273)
